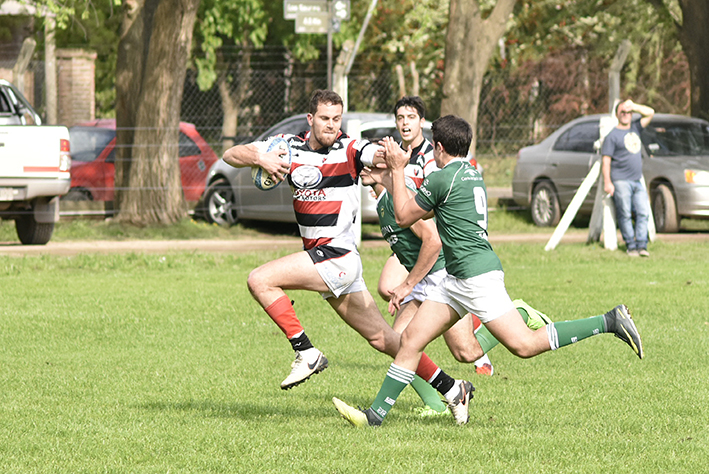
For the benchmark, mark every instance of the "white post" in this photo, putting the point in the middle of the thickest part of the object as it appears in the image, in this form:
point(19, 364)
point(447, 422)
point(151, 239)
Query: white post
point(651, 230)
point(601, 219)
point(610, 235)
point(574, 206)
point(595, 226)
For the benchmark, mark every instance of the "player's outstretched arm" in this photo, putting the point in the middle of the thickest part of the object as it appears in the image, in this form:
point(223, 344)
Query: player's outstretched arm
point(406, 210)
point(428, 254)
point(240, 156)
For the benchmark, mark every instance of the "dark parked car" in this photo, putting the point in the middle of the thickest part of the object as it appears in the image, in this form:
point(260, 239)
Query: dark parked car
point(93, 153)
point(231, 194)
point(675, 167)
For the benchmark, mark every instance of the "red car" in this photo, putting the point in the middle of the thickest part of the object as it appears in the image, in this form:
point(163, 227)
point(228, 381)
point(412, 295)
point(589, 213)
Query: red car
point(93, 153)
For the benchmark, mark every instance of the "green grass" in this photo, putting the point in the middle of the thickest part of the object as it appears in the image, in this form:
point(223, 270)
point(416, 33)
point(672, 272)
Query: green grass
point(95, 229)
point(163, 363)
point(502, 221)
point(498, 170)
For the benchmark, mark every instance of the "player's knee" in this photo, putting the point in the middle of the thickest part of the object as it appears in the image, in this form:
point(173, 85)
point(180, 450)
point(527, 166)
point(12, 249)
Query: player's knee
point(412, 342)
point(255, 282)
point(466, 355)
point(378, 341)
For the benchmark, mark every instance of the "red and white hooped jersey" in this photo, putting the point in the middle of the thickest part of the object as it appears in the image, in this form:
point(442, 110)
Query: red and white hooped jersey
point(325, 188)
point(421, 163)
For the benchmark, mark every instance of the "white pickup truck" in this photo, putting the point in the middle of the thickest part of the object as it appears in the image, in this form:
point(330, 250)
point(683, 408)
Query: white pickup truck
point(34, 167)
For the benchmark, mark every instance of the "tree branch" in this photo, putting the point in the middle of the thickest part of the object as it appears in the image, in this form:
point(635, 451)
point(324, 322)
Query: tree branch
point(665, 13)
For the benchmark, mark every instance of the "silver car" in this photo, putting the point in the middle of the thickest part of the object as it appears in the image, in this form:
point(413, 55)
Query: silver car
point(231, 195)
point(675, 167)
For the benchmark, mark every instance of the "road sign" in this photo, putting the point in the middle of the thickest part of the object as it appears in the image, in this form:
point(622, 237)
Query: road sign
point(341, 10)
point(293, 8)
point(312, 23)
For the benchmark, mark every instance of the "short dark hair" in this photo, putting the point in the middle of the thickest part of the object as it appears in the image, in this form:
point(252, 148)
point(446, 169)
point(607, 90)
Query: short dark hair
point(323, 96)
point(617, 104)
point(454, 133)
point(411, 101)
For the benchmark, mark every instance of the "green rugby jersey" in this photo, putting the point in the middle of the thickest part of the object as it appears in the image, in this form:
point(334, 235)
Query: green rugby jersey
point(458, 198)
point(405, 244)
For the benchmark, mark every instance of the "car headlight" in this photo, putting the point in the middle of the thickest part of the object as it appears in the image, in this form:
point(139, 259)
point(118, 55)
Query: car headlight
point(697, 177)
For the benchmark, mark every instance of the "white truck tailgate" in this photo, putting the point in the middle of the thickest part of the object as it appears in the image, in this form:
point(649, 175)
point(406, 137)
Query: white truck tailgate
point(30, 151)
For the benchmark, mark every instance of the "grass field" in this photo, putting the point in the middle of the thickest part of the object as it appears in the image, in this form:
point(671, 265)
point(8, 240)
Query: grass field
point(163, 363)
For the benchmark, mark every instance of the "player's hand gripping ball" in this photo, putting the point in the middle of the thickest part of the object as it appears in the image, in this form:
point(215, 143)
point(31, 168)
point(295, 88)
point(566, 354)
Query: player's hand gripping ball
point(261, 178)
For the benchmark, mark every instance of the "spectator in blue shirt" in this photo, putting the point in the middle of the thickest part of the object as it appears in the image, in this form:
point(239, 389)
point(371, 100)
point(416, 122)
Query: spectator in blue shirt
point(622, 175)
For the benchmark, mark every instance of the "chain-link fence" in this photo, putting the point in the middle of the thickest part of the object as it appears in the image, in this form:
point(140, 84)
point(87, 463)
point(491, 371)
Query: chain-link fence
point(518, 106)
point(255, 89)
point(265, 86)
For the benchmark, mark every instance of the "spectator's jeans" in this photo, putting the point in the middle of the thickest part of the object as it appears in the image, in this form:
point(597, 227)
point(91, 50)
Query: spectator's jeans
point(629, 197)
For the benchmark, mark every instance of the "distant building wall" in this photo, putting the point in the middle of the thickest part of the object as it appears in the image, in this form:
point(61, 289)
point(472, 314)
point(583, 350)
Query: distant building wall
point(27, 88)
point(76, 98)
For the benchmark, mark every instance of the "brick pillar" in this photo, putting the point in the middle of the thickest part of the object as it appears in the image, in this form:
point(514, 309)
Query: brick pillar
point(76, 86)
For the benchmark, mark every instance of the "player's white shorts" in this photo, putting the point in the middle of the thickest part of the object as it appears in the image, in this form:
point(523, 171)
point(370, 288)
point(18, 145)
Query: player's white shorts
point(429, 283)
point(340, 269)
point(484, 295)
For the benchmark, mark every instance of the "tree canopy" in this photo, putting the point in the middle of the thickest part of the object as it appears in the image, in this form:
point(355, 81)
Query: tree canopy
point(551, 58)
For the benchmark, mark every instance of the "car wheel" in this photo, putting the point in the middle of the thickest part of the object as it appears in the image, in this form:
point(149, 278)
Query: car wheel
point(220, 204)
point(77, 194)
point(545, 205)
point(664, 210)
point(32, 232)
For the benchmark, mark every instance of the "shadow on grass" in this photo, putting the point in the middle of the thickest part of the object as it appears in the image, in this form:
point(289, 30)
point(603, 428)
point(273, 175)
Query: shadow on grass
point(249, 410)
point(274, 228)
point(208, 408)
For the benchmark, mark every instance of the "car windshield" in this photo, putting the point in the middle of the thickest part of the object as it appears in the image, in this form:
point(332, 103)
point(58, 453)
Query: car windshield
point(88, 142)
point(677, 138)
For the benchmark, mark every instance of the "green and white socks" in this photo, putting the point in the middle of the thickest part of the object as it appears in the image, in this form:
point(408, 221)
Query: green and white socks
point(564, 333)
point(396, 380)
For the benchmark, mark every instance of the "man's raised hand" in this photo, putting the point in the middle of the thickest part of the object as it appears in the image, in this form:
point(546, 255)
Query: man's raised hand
point(395, 157)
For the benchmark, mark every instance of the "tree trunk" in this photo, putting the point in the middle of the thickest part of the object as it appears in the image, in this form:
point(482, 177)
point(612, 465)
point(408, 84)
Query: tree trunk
point(401, 80)
point(230, 112)
point(150, 74)
point(694, 37)
point(232, 101)
point(470, 43)
point(129, 77)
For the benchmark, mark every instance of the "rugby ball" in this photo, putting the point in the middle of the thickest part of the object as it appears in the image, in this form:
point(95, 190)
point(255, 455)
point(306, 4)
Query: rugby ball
point(261, 178)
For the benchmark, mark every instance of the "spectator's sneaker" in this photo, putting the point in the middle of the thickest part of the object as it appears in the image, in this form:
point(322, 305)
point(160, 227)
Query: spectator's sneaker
point(620, 323)
point(459, 402)
point(308, 362)
point(357, 417)
point(633, 253)
point(643, 253)
point(427, 411)
point(536, 318)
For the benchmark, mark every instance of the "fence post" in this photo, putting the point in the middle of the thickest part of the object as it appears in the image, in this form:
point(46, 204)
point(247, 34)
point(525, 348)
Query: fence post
point(50, 68)
point(23, 60)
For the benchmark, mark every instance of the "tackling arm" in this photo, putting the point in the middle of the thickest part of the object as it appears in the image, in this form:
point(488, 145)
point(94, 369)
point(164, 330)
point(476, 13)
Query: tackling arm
point(428, 254)
point(406, 210)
